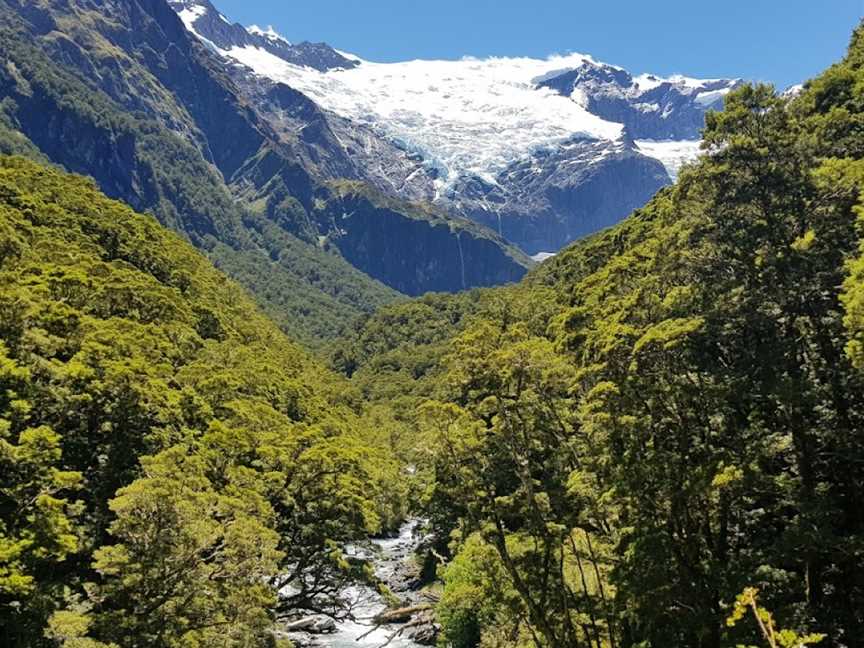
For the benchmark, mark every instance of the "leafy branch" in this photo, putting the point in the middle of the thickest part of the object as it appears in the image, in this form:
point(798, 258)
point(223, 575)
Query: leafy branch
point(748, 601)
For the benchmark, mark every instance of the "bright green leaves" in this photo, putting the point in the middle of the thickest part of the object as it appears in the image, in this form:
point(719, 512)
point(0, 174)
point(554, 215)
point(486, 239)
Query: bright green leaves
point(69, 628)
point(191, 564)
point(37, 528)
point(804, 242)
point(506, 460)
point(846, 177)
point(747, 602)
point(727, 476)
point(750, 117)
point(478, 597)
point(117, 342)
point(14, 381)
point(668, 333)
point(853, 300)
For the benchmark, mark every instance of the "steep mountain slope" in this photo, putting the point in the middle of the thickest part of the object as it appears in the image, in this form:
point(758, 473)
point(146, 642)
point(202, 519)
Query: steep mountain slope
point(201, 17)
point(649, 107)
point(542, 151)
point(366, 225)
point(132, 99)
point(169, 460)
point(308, 291)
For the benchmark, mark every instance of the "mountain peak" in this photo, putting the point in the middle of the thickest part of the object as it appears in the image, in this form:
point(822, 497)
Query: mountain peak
point(270, 33)
point(215, 30)
point(650, 107)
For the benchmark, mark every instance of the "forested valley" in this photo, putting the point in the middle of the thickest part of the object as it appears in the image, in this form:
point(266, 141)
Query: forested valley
point(655, 439)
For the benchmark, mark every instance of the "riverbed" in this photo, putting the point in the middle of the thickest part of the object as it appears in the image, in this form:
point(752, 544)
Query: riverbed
point(388, 558)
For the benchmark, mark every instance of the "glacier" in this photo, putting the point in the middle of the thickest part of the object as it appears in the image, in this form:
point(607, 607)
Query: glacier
point(673, 154)
point(475, 117)
point(465, 117)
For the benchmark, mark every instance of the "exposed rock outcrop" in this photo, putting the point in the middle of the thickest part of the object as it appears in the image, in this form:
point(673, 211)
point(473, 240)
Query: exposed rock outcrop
point(649, 107)
point(414, 248)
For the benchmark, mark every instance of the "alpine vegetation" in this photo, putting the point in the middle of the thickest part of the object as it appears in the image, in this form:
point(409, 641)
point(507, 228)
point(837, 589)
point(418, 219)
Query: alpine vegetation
point(278, 369)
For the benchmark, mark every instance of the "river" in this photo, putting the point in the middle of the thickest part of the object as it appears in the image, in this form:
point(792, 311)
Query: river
point(388, 559)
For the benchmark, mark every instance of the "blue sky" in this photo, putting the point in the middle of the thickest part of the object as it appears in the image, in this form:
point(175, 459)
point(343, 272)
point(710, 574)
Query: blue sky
point(781, 41)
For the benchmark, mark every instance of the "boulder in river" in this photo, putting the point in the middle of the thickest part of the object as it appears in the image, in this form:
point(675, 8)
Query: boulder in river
point(299, 639)
point(312, 624)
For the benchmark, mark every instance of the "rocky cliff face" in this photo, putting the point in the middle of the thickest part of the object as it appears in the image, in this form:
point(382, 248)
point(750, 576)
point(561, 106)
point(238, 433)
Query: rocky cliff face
point(335, 148)
point(411, 248)
point(540, 202)
point(557, 196)
point(648, 106)
point(204, 20)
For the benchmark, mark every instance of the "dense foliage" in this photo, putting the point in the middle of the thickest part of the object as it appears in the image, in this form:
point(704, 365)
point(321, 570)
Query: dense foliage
point(653, 440)
point(169, 462)
point(666, 414)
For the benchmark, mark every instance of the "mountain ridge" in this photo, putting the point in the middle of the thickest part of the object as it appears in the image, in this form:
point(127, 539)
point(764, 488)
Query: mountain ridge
point(134, 100)
point(201, 17)
point(486, 139)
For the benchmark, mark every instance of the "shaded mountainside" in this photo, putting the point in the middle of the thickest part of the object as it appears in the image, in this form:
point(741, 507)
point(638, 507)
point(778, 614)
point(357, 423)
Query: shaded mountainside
point(369, 228)
point(130, 98)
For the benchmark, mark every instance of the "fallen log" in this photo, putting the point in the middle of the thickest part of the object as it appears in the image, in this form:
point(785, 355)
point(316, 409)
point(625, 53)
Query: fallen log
point(400, 615)
point(426, 637)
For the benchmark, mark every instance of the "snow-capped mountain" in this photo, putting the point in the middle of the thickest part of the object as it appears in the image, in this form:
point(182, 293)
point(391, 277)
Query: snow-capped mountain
point(541, 150)
point(466, 118)
point(649, 107)
point(207, 23)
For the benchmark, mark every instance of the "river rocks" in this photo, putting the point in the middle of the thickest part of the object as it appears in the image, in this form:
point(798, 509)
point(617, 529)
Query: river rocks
point(312, 624)
point(404, 576)
point(408, 621)
point(300, 639)
point(414, 618)
point(307, 632)
point(423, 629)
point(405, 579)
